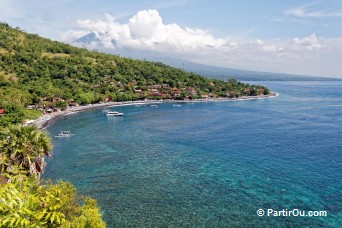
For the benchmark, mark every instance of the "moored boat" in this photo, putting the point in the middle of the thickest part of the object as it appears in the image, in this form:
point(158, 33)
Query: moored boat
point(114, 113)
point(64, 134)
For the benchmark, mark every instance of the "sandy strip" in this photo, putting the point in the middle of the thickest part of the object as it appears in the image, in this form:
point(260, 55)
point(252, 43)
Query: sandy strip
point(44, 120)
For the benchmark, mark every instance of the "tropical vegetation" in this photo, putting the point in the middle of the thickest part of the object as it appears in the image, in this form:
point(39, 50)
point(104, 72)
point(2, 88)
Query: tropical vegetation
point(26, 201)
point(36, 72)
point(38, 75)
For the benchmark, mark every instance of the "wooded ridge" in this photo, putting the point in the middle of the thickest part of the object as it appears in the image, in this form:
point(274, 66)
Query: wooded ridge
point(39, 74)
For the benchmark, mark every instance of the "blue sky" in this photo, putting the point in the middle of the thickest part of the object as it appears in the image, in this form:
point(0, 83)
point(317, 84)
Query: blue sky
point(298, 37)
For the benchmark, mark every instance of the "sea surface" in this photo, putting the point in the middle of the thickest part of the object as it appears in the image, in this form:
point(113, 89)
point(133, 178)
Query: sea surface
point(210, 164)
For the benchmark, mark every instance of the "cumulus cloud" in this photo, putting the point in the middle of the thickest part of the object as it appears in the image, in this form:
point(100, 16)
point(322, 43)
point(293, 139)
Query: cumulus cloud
point(310, 43)
point(145, 24)
point(147, 31)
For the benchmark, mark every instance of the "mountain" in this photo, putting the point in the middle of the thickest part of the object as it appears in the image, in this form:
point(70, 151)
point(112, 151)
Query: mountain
point(221, 73)
point(87, 39)
point(246, 75)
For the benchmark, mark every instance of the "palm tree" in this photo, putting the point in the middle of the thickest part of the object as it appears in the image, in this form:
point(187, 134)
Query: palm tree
point(24, 147)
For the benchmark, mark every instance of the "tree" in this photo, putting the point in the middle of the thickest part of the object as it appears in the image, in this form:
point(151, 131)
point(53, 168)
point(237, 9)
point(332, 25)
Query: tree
point(24, 203)
point(15, 97)
point(86, 98)
point(25, 147)
point(61, 104)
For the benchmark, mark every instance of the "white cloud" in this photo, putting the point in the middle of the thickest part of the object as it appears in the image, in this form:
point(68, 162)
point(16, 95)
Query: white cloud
point(145, 24)
point(305, 11)
point(147, 31)
point(260, 42)
point(310, 43)
point(74, 34)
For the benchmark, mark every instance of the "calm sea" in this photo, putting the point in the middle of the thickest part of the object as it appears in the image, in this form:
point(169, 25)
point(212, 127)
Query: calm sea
point(210, 164)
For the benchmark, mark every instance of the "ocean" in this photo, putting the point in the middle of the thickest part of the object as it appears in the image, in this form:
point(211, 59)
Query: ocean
point(210, 164)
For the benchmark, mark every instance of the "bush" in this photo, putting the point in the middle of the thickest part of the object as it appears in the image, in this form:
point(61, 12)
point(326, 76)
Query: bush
point(28, 204)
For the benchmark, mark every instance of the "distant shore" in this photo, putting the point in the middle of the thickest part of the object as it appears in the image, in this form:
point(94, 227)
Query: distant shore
point(44, 120)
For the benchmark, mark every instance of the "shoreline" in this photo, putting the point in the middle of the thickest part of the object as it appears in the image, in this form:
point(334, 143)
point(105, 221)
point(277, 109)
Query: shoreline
point(43, 121)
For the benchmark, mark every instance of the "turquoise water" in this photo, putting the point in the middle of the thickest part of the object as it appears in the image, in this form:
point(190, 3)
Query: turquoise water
point(211, 164)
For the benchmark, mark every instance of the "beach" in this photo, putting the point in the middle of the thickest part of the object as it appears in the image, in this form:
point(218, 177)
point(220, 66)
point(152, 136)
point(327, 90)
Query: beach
point(44, 120)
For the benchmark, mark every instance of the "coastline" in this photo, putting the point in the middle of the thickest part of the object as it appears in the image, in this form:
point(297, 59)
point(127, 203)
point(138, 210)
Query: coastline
point(43, 121)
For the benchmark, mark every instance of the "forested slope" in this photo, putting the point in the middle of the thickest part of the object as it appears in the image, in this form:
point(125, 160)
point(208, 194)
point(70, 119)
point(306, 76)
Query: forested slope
point(32, 68)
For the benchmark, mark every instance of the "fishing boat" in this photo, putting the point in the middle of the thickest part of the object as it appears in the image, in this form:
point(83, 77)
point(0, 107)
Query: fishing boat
point(64, 134)
point(113, 113)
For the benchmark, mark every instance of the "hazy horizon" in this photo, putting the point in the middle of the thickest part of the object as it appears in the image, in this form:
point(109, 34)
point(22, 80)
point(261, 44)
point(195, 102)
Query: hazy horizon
point(292, 37)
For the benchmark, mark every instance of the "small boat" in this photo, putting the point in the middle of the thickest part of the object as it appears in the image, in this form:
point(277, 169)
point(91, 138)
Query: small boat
point(113, 113)
point(154, 106)
point(64, 134)
point(70, 113)
point(177, 105)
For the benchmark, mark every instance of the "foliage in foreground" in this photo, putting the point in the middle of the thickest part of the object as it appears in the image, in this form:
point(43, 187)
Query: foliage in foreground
point(24, 147)
point(27, 202)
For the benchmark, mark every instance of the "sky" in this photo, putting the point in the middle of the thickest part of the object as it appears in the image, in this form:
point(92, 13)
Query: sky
point(293, 36)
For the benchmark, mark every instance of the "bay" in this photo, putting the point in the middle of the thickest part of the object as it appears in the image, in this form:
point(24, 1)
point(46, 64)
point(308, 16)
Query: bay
point(210, 164)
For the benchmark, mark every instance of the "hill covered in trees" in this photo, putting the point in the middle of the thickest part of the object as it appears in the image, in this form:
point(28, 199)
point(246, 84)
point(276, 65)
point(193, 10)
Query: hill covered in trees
point(39, 73)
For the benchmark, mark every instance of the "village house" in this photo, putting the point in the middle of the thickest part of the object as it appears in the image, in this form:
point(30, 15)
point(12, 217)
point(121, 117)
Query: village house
point(175, 92)
point(246, 91)
point(71, 102)
point(2, 111)
point(154, 90)
point(211, 95)
point(205, 96)
point(138, 92)
point(133, 83)
point(43, 99)
point(166, 96)
point(231, 94)
point(50, 110)
point(156, 86)
point(116, 84)
point(261, 91)
point(155, 94)
point(57, 99)
point(95, 86)
point(30, 107)
point(190, 91)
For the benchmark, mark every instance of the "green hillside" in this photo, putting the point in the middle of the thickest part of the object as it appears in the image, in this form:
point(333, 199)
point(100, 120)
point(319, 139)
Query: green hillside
point(47, 74)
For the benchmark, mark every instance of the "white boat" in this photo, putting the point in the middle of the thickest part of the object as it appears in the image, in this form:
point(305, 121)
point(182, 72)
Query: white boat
point(70, 113)
point(64, 134)
point(177, 105)
point(113, 113)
